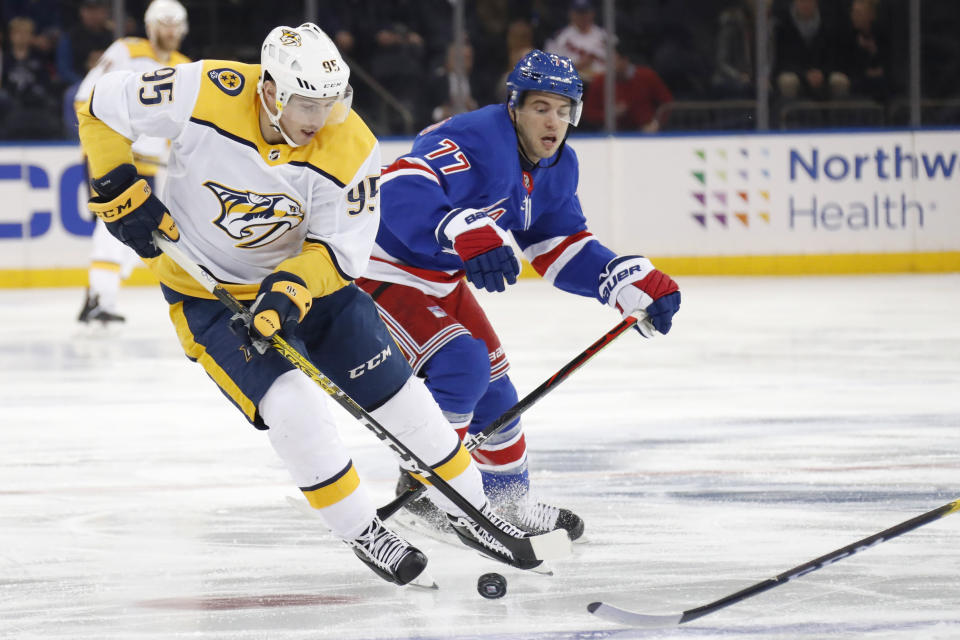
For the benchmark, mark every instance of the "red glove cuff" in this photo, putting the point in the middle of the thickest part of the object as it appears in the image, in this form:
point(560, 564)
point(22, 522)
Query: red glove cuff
point(657, 284)
point(471, 244)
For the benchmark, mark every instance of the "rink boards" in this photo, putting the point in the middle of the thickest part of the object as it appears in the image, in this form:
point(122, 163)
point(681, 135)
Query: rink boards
point(856, 202)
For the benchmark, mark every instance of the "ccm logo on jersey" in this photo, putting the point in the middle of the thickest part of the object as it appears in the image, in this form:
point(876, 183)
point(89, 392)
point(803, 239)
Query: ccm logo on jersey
point(227, 80)
point(372, 363)
point(255, 218)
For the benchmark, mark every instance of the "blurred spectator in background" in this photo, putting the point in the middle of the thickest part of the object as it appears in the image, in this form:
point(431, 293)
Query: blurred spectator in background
point(682, 56)
point(582, 40)
point(638, 93)
point(46, 20)
point(92, 33)
point(805, 57)
point(736, 59)
point(450, 89)
point(862, 52)
point(398, 61)
point(940, 49)
point(519, 43)
point(28, 94)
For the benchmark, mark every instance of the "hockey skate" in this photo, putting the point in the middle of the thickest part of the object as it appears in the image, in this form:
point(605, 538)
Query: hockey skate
point(537, 518)
point(421, 514)
point(93, 312)
point(476, 537)
point(390, 556)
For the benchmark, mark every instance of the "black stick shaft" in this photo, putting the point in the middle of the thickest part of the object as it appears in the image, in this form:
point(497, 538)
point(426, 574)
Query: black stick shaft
point(823, 561)
point(516, 410)
point(520, 547)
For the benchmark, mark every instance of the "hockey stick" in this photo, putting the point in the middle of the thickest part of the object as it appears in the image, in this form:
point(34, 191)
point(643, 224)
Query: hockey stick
point(528, 552)
point(633, 619)
point(514, 412)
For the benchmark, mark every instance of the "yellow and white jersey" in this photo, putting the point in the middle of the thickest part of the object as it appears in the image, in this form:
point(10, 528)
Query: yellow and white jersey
point(243, 205)
point(133, 54)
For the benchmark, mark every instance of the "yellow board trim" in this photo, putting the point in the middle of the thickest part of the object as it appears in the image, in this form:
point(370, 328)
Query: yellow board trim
point(787, 265)
point(334, 492)
point(795, 265)
point(112, 267)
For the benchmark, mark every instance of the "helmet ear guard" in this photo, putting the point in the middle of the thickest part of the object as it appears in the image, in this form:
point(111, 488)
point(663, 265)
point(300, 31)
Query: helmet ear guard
point(549, 73)
point(304, 61)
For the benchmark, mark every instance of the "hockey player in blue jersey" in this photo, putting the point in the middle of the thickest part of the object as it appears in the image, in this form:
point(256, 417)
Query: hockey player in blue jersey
point(447, 208)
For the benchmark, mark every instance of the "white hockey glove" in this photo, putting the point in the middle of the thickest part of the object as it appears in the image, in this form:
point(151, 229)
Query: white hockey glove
point(634, 287)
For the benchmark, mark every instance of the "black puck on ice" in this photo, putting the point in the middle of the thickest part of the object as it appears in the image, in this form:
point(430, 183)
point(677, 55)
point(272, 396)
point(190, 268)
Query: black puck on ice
point(492, 585)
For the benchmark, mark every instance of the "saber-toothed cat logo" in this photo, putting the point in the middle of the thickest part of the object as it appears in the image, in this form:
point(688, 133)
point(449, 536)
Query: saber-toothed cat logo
point(255, 218)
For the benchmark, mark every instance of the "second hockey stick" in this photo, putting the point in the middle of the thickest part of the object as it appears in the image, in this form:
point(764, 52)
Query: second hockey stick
point(514, 412)
point(634, 619)
point(528, 552)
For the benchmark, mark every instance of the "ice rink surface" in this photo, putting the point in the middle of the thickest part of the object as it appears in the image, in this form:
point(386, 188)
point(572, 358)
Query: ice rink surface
point(782, 418)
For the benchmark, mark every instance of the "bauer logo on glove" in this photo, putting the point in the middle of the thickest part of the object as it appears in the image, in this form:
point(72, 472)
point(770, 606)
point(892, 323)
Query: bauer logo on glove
point(634, 287)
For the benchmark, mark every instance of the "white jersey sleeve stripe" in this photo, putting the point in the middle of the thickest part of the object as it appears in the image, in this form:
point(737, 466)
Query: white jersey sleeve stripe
point(536, 254)
point(409, 167)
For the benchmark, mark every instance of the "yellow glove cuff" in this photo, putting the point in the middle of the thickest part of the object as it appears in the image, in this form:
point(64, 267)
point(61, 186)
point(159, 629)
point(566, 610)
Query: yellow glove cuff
point(297, 293)
point(125, 203)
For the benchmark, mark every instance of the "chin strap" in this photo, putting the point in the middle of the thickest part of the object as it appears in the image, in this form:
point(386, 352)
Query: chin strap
point(275, 119)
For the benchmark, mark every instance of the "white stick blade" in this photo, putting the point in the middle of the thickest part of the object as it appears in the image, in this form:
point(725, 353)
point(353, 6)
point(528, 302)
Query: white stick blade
point(551, 546)
point(632, 619)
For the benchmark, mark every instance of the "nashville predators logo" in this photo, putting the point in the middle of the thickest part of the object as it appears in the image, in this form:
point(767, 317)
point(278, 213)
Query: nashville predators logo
point(227, 80)
point(257, 219)
point(289, 38)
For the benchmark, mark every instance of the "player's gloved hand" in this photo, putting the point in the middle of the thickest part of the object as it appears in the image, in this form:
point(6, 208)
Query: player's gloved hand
point(126, 204)
point(483, 246)
point(282, 302)
point(634, 287)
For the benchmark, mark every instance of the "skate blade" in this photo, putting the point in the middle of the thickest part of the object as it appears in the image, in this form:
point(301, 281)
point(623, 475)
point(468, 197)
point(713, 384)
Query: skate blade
point(424, 581)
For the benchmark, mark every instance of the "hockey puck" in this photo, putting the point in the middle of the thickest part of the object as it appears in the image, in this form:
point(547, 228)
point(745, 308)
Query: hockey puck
point(492, 585)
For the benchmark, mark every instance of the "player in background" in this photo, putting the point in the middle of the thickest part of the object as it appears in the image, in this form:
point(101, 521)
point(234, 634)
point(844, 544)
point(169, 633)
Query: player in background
point(272, 185)
point(111, 261)
point(447, 209)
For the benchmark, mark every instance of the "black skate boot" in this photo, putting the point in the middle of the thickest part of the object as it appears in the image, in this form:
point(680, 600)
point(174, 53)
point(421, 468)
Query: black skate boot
point(93, 312)
point(538, 517)
point(390, 556)
point(426, 512)
point(475, 536)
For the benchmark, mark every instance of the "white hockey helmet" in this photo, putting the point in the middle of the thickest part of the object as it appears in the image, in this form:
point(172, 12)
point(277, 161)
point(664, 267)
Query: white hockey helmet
point(304, 62)
point(168, 12)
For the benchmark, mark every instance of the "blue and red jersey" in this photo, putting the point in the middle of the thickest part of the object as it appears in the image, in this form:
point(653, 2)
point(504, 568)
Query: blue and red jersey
point(471, 161)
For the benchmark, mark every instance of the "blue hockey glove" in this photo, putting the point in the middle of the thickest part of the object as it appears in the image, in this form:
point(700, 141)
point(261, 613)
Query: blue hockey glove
point(131, 212)
point(487, 259)
point(634, 287)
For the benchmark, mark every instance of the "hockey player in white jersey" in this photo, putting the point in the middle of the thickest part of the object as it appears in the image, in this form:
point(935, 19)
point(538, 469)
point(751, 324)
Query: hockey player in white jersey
point(273, 188)
point(110, 261)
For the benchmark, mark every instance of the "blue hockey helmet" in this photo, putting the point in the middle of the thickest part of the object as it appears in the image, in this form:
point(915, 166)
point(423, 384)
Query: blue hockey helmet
point(547, 72)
